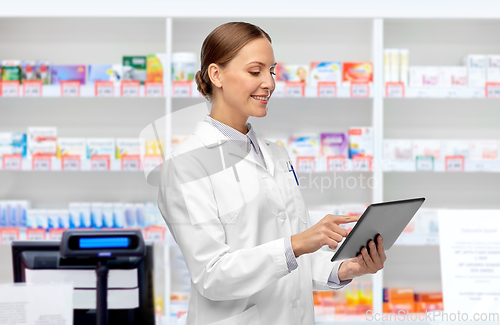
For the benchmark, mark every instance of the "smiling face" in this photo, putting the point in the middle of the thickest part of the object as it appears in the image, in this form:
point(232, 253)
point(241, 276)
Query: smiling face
point(243, 87)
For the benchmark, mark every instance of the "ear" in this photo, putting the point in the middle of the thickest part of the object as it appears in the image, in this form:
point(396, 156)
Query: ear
point(214, 73)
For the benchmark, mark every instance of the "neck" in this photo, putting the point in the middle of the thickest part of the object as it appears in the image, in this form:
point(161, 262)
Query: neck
point(230, 117)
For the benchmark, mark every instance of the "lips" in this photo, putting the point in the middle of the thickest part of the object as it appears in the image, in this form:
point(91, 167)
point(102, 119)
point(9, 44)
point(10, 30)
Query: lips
point(264, 98)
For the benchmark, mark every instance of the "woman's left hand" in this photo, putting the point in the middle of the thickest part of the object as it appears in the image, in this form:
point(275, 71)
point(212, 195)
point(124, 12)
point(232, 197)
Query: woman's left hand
point(365, 262)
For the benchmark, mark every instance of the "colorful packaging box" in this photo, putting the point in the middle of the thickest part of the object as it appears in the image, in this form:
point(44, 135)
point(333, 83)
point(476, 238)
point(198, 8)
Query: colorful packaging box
point(387, 65)
point(12, 143)
point(85, 215)
point(184, 65)
point(303, 145)
point(128, 147)
point(43, 70)
point(11, 70)
point(101, 146)
point(476, 70)
point(493, 68)
point(334, 144)
point(152, 147)
point(424, 76)
point(395, 65)
point(360, 142)
point(398, 149)
point(107, 215)
point(13, 213)
point(41, 141)
point(104, 72)
point(28, 71)
point(134, 68)
point(96, 216)
point(154, 67)
point(297, 73)
point(325, 71)
point(72, 147)
point(118, 215)
point(483, 150)
point(68, 73)
point(455, 148)
point(404, 68)
point(427, 148)
point(361, 72)
point(452, 76)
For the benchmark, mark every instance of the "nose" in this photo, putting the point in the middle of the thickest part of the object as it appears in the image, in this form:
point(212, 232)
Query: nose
point(268, 83)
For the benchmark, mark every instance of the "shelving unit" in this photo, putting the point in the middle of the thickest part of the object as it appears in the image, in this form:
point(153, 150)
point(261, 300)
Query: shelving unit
point(424, 113)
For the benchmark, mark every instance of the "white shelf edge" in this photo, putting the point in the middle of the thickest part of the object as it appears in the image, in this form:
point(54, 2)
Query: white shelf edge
point(470, 166)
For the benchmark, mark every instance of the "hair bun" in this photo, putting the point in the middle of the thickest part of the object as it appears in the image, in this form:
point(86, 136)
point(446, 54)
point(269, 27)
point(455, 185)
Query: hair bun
point(203, 86)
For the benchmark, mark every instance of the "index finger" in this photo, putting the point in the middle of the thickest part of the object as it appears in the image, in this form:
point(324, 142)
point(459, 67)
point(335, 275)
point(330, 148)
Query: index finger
point(344, 219)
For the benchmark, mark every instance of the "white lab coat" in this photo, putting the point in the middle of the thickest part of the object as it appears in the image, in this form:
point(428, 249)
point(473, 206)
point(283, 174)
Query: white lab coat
point(230, 224)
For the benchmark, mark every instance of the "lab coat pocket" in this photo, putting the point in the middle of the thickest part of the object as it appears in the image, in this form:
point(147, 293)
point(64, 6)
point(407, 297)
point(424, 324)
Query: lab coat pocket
point(298, 200)
point(248, 317)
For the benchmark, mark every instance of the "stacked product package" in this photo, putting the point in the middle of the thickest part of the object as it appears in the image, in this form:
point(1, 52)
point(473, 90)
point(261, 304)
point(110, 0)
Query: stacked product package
point(96, 215)
point(476, 71)
point(342, 73)
point(144, 68)
point(356, 142)
point(402, 149)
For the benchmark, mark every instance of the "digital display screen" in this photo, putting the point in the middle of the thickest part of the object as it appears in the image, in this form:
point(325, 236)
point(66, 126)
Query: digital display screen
point(104, 242)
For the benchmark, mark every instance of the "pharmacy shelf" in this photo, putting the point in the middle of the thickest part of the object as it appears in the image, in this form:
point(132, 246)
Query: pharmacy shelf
point(281, 91)
point(85, 91)
point(443, 92)
point(91, 91)
point(56, 164)
point(134, 165)
point(441, 165)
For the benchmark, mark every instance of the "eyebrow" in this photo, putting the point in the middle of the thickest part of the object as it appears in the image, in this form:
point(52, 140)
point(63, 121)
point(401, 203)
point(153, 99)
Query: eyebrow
point(260, 63)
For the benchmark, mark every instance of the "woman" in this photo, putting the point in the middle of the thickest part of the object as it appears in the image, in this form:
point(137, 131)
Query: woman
point(233, 205)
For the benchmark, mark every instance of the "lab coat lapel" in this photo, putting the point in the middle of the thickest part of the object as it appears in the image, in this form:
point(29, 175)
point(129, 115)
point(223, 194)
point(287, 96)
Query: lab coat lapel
point(268, 155)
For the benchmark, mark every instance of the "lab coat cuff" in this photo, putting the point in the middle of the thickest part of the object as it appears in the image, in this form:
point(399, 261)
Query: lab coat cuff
point(291, 261)
point(279, 258)
point(333, 280)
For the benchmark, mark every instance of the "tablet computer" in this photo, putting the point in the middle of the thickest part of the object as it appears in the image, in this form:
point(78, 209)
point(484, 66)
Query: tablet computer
point(388, 219)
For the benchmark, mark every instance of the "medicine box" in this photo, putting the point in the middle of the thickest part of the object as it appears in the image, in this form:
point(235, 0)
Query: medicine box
point(72, 147)
point(452, 76)
point(476, 70)
point(360, 142)
point(104, 72)
point(398, 149)
point(134, 68)
point(68, 73)
point(325, 72)
point(334, 144)
point(455, 148)
point(493, 68)
point(360, 72)
point(427, 148)
point(129, 147)
point(101, 146)
point(484, 150)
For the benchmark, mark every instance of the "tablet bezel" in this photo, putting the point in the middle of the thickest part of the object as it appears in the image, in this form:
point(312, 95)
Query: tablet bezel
point(364, 216)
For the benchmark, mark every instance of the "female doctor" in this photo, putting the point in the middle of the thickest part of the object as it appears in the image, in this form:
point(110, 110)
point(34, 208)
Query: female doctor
point(233, 205)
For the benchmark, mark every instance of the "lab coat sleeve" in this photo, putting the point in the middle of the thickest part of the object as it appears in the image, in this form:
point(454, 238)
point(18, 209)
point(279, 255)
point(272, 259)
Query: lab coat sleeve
point(324, 272)
point(216, 271)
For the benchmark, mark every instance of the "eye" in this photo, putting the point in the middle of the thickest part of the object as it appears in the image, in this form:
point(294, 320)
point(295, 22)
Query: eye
point(254, 73)
point(273, 73)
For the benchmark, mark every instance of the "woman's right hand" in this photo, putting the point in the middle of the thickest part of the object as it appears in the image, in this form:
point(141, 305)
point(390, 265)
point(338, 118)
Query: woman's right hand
point(325, 232)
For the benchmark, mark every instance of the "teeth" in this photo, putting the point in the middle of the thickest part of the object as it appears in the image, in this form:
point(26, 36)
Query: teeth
point(260, 98)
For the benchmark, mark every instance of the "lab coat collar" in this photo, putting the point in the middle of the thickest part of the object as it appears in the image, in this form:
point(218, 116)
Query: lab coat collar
point(211, 138)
